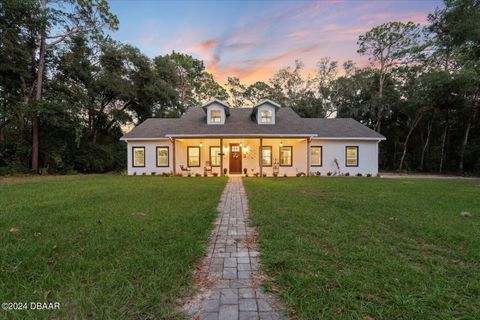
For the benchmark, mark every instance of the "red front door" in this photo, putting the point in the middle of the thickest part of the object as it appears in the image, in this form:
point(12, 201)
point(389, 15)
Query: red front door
point(235, 158)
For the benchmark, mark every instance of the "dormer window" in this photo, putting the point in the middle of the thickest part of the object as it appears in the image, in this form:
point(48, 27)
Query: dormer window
point(265, 111)
point(266, 116)
point(215, 116)
point(216, 111)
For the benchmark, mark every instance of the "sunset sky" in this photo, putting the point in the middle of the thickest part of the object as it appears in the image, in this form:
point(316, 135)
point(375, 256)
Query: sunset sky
point(253, 39)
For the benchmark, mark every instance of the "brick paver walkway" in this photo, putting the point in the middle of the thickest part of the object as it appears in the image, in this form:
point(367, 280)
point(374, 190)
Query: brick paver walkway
point(229, 277)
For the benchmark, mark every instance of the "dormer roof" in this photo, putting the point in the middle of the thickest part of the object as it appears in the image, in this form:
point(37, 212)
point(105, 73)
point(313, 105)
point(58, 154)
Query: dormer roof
point(265, 101)
point(220, 102)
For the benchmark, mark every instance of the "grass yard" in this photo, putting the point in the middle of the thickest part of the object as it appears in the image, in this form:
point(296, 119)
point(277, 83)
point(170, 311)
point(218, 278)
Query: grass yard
point(359, 248)
point(104, 246)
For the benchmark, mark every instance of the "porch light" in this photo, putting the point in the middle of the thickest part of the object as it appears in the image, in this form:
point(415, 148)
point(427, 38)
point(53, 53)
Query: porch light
point(241, 144)
point(200, 145)
point(281, 144)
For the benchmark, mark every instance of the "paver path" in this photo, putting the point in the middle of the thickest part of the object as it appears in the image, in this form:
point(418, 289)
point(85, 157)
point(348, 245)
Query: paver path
point(229, 277)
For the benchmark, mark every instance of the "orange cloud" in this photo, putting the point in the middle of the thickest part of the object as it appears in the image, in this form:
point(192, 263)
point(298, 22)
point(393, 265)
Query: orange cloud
point(208, 44)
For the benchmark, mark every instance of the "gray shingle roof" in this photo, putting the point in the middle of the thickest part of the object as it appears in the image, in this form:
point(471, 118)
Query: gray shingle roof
point(240, 122)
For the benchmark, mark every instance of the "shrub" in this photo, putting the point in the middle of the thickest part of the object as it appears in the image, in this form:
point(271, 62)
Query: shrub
point(144, 173)
point(245, 170)
point(154, 173)
point(264, 175)
point(205, 174)
point(179, 175)
point(347, 174)
point(198, 175)
point(369, 175)
point(275, 174)
point(225, 170)
point(134, 173)
point(164, 174)
point(189, 174)
point(215, 174)
point(318, 173)
point(246, 175)
point(256, 174)
point(329, 173)
point(284, 175)
point(359, 174)
point(300, 174)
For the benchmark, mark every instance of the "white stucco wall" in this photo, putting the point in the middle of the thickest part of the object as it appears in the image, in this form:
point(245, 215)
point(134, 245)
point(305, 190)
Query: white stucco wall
point(331, 150)
point(335, 149)
point(150, 157)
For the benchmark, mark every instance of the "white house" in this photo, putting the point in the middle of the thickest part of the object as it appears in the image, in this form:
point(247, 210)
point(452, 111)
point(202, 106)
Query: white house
point(266, 139)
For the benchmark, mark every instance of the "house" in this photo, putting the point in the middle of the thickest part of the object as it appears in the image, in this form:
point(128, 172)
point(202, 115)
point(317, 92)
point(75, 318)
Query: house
point(265, 139)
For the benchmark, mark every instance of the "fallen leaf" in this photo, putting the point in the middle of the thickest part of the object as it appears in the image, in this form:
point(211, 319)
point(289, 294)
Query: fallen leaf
point(14, 230)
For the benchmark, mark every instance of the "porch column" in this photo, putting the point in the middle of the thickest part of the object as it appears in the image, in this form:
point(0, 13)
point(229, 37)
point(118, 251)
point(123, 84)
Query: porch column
point(221, 157)
point(308, 157)
point(260, 157)
point(174, 162)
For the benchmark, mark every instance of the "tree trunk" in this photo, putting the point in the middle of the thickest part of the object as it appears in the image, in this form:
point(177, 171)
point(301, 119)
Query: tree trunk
point(465, 139)
point(444, 141)
point(427, 141)
point(417, 119)
point(38, 93)
point(380, 106)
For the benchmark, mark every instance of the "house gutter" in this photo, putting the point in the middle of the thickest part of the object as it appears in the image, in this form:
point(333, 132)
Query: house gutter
point(309, 136)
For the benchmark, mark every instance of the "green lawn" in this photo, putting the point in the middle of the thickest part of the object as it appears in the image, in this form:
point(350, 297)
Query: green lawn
point(75, 241)
point(369, 248)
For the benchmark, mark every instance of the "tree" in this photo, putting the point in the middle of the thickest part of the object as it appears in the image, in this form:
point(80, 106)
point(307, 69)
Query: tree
point(55, 24)
point(387, 46)
point(236, 91)
point(196, 86)
point(256, 92)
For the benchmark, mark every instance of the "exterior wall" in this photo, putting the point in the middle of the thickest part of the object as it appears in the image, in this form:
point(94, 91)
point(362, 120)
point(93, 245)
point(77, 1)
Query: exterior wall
point(263, 107)
point(331, 150)
point(150, 157)
point(216, 106)
point(335, 149)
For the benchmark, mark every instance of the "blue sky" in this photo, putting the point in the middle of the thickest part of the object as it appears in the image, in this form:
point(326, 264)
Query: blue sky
point(253, 39)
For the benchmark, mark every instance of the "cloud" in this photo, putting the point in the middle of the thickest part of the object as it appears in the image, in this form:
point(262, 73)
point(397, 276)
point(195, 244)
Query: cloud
point(253, 46)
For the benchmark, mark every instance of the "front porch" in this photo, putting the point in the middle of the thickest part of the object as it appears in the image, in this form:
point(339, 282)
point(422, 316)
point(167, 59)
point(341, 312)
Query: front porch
point(231, 156)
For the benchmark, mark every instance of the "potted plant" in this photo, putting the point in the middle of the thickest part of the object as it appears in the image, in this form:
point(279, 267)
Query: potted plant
point(245, 170)
point(329, 173)
point(215, 174)
point(225, 170)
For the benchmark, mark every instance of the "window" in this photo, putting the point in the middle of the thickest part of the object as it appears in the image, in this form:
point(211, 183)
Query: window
point(316, 156)
point(138, 154)
point(193, 155)
point(235, 148)
point(266, 116)
point(215, 116)
point(267, 156)
point(162, 156)
point(286, 155)
point(351, 156)
point(215, 156)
